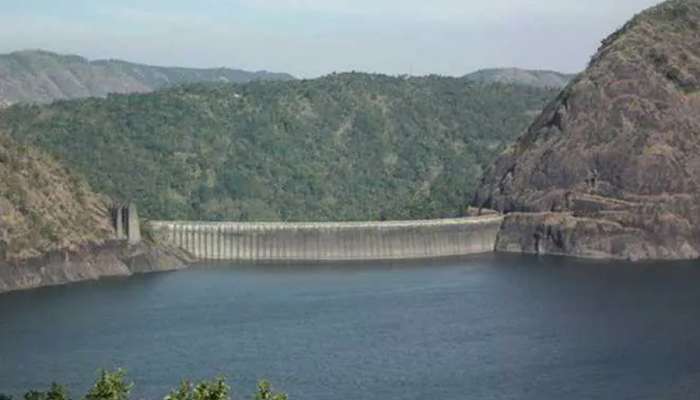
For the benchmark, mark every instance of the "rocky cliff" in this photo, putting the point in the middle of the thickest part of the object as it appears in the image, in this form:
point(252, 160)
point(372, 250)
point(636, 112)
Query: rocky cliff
point(611, 168)
point(54, 229)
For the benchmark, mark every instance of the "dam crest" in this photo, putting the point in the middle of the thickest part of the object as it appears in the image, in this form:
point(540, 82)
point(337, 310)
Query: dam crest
point(330, 241)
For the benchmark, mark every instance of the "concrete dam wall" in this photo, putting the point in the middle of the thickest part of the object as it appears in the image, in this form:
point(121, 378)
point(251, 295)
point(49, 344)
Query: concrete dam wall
point(289, 242)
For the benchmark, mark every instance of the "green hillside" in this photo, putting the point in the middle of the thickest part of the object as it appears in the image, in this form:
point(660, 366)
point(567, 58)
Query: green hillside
point(342, 147)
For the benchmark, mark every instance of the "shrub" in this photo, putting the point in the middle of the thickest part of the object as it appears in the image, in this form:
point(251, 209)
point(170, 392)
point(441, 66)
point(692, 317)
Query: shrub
point(205, 390)
point(184, 392)
point(110, 386)
point(114, 386)
point(265, 392)
point(55, 392)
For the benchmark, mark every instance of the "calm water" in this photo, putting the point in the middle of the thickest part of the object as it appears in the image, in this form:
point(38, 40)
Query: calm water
point(494, 327)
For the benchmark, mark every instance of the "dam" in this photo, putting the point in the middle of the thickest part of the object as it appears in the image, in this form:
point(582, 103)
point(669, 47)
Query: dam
point(331, 241)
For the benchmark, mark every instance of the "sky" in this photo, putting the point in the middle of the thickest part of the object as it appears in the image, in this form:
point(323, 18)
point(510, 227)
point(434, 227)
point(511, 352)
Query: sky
point(309, 38)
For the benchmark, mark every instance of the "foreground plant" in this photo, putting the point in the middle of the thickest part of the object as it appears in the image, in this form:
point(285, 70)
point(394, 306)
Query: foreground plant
point(110, 386)
point(115, 386)
point(55, 392)
point(205, 390)
point(265, 392)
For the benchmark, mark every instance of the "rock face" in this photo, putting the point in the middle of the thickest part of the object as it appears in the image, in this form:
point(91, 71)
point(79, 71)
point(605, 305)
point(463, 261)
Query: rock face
point(90, 262)
point(611, 168)
point(43, 207)
point(54, 229)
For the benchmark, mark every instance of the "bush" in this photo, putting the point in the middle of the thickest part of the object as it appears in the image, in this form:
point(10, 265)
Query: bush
point(110, 386)
point(114, 386)
point(265, 392)
point(205, 390)
point(55, 392)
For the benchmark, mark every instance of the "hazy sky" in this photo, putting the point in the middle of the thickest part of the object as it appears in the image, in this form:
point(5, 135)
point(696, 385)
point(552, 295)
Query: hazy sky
point(313, 37)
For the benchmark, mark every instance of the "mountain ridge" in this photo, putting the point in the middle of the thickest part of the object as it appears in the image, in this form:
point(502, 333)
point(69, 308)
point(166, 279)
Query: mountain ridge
point(40, 76)
point(531, 77)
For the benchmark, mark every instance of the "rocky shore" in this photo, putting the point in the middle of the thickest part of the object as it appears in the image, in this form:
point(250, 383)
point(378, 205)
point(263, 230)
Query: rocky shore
point(111, 259)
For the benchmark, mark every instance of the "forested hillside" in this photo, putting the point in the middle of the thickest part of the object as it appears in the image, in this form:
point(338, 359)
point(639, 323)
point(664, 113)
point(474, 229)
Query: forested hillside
point(342, 147)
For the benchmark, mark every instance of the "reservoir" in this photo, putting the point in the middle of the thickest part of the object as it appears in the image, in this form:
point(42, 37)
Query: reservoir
point(480, 327)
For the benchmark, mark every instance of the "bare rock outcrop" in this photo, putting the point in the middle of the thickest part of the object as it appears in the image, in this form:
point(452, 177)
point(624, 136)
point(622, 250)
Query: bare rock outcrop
point(55, 230)
point(611, 168)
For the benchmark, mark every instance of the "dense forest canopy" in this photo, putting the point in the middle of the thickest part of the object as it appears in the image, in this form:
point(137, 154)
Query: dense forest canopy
point(343, 147)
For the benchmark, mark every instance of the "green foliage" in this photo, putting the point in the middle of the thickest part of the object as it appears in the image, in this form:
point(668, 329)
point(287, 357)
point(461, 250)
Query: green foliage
point(110, 386)
point(265, 392)
point(114, 386)
point(184, 392)
point(34, 395)
point(55, 392)
point(205, 390)
point(342, 147)
point(212, 390)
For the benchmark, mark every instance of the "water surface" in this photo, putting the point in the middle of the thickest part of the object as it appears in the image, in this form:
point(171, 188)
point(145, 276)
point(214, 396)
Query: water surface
point(487, 327)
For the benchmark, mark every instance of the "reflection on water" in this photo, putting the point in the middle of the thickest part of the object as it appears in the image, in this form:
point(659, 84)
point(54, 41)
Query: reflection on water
point(487, 327)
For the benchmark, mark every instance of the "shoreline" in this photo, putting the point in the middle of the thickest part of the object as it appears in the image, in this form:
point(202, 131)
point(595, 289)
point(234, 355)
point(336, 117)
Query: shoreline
point(114, 258)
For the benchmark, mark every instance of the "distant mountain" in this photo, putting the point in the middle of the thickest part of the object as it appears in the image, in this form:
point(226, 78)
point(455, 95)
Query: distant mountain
point(36, 76)
point(543, 79)
point(341, 147)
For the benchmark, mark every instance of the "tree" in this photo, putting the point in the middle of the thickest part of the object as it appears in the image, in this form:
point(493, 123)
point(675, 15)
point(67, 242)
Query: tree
point(184, 392)
point(212, 390)
point(110, 386)
point(34, 395)
point(265, 392)
point(205, 390)
point(55, 392)
point(113, 386)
